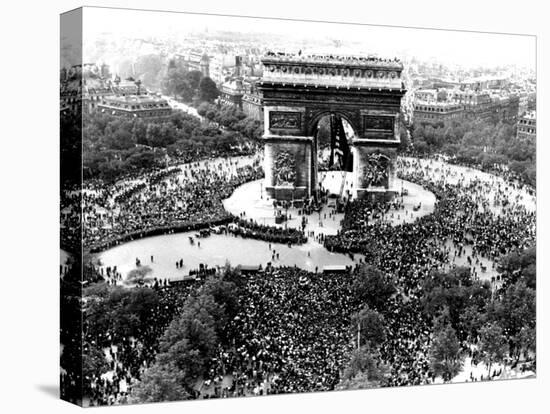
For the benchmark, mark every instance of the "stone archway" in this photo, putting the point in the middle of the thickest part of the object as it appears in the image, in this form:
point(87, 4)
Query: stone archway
point(298, 91)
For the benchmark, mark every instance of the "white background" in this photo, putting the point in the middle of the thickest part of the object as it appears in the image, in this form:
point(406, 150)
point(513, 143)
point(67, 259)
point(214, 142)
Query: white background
point(29, 190)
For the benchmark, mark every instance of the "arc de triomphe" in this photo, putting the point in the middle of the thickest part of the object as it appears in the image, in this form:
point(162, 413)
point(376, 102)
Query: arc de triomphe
point(299, 90)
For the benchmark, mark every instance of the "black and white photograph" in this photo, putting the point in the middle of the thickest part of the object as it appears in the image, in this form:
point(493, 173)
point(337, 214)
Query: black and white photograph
point(253, 207)
point(274, 207)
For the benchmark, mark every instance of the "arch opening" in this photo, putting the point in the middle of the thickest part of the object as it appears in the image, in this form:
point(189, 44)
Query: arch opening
point(332, 164)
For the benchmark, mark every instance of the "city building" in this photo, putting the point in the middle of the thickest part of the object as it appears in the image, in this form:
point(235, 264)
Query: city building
point(89, 87)
point(232, 90)
point(425, 95)
point(527, 126)
point(488, 105)
point(252, 99)
point(194, 60)
point(480, 83)
point(93, 92)
point(437, 112)
point(70, 90)
point(149, 107)
point(83, 86)
point(231, 93)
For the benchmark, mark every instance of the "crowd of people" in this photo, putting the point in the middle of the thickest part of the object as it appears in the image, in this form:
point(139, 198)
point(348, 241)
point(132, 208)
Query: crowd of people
point(251, 229)
point(177, 199)
point(292, 331)
point(466, 215)
point(128, 356)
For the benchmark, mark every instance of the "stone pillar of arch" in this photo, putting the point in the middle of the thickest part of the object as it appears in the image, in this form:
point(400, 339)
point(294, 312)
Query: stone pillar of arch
point(375, 155)
point(288, 154)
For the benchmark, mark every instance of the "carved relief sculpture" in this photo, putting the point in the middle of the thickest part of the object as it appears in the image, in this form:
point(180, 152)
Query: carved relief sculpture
point(285, 169)
point(375, 172)
point(284, 120)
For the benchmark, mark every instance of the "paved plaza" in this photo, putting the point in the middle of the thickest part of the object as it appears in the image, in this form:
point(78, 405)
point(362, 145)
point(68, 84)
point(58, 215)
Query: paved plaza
point(252, 200)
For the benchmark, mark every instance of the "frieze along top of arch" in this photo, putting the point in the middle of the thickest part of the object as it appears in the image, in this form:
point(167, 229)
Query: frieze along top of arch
point(332, 70)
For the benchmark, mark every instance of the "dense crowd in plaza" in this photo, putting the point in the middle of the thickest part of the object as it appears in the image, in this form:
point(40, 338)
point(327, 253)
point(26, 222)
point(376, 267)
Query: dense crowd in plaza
point(177, 199)
point(303, 341)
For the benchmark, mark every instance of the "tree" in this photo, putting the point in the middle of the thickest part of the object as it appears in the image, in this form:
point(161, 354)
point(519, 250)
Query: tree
point(517, 266)
point(445, 356)
point(208, 89)
point(160, 135)
point(176, 83)
point(122, 312)
point(203, 108)
point(94, 362)
point(372, 287)
point(525, 342)
point(139, 131)
point(194, 77)
point(139, 276)
point(364, 370)
point(184, 123)
point(369, 326)
point(189, 344)
point(224, 292)
point(492, 345)
point(454, 291)
point(471, 320)
point(139, 159)
point(515, 310)
point(184, 90)
point(160, 383)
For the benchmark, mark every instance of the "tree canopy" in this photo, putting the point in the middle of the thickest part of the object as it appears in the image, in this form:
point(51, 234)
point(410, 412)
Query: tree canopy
point(445, 356)
point(373, 287)
point(190, 342)
point(369, 325)
point(478, 142)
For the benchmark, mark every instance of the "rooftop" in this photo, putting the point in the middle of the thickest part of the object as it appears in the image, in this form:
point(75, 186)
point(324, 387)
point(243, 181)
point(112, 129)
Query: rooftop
point(442, 104)
point(530, 115)
point(136, 99)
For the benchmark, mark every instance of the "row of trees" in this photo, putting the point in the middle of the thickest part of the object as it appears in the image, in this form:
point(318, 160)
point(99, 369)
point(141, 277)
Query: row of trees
point(113, 147)
point(478, 142)
point(232, 118)
point(502, 324)
point(460, 311)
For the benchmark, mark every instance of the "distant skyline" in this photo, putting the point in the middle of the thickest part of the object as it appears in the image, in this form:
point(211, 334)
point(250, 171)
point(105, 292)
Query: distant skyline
point(469, 49)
